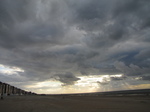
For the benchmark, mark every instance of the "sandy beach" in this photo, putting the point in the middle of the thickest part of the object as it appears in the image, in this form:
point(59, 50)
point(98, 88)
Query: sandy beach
point(75, 104)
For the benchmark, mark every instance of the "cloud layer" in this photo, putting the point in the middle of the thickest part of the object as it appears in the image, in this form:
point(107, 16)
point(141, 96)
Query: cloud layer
point(75, 37)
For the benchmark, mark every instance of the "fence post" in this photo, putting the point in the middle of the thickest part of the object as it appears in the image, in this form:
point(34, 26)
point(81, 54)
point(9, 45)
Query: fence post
point(2, 90)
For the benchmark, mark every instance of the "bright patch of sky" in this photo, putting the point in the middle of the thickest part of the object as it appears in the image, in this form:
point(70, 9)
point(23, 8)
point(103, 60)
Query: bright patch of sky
point(91, 83)
point(7, 70)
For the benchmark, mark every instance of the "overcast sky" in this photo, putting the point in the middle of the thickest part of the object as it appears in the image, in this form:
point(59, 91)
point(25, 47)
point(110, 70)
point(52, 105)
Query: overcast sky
point(66, 42)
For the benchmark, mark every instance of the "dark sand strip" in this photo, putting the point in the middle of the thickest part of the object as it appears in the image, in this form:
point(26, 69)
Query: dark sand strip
point(74, 104)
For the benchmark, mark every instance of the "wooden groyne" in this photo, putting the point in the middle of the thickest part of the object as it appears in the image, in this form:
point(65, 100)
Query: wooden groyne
point(7, 89)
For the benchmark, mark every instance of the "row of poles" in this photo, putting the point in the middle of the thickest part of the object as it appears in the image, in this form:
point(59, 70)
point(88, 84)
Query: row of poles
point(6, 90)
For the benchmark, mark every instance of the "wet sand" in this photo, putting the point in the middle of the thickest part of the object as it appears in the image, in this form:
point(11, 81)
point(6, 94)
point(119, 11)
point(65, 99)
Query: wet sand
point(75, 104)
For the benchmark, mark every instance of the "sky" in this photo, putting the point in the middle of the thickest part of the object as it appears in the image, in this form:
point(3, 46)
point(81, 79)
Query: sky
point(75, 46)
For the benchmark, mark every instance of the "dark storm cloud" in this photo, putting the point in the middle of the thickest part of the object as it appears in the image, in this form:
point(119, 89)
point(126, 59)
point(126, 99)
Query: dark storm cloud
point(111, 20)
point(132, 69)
point(118, 78)
point(67, 78)
point(46, 37)
point(146, 77)
point(36, 30)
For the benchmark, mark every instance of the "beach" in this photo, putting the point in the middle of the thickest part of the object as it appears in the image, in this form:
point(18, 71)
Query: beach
point(75, 104)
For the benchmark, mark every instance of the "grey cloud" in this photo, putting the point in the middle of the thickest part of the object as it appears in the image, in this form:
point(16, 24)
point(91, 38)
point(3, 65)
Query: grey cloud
point(112, 26)
point(109, 70)
point(33, 31)
point(12, 78)
point(143, 54)
point(67, 78)
point(146, 77)
point(118, 78)
point(83, 36)
point(131, 70)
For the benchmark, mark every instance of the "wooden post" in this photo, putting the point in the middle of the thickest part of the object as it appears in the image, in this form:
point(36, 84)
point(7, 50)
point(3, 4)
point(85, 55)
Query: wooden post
point(9, 90)
point(5, 88)
point(2, 90)
point(13, 90)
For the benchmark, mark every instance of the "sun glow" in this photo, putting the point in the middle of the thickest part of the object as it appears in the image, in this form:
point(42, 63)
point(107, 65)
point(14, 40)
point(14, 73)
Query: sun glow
point(9, 70)
point(91, 83)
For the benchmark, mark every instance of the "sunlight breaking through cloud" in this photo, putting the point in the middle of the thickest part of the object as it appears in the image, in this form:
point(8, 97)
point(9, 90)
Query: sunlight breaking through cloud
point(91, 83)
point(7, 70)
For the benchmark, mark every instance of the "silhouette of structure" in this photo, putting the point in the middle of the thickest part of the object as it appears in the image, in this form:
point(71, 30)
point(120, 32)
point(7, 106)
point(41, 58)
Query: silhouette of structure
point(6, 90)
